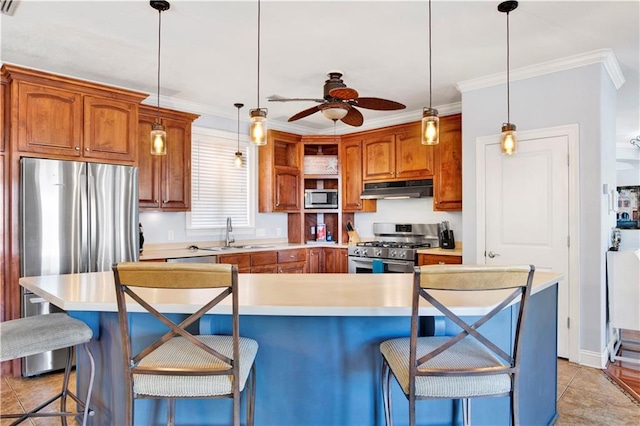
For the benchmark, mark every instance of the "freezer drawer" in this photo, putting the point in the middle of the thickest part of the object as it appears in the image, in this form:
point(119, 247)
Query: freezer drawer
point(55, 360)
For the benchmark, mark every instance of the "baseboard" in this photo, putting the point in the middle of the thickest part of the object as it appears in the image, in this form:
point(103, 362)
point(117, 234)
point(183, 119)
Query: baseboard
point(595, 359)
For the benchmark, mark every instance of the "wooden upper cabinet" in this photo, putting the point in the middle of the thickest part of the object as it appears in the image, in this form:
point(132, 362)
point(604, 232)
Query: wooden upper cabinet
point(352, 183)
point(279, 171)
point(110, 129)
point(165, 180)
point(447, 179)
point(396, 153)
point(65, 118)
point(49, 120)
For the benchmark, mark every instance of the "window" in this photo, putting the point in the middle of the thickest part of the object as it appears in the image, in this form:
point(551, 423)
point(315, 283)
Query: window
point(219, 189)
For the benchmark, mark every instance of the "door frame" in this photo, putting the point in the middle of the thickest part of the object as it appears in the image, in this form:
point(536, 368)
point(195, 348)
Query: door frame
point(571, 132)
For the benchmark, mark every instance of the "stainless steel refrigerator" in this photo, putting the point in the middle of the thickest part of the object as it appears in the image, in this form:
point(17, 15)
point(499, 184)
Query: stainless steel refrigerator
point(75, 217)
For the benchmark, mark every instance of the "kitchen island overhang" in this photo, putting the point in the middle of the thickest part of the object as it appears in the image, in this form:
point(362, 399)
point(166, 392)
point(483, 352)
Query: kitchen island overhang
point(318, 362)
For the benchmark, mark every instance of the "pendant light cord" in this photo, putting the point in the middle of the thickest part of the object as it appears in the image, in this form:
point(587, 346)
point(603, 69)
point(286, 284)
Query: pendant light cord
point(508, 91)
point(258, 100)
point(430, 74)
point(238, 126)
point(159, 33)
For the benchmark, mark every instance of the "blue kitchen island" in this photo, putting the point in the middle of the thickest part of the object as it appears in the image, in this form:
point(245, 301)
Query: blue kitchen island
point(318, 362)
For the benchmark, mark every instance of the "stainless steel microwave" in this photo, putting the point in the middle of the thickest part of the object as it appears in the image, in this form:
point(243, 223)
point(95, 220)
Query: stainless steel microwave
point(320, 198)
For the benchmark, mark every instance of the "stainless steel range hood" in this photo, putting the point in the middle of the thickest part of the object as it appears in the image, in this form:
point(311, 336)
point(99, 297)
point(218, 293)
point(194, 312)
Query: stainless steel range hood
point(398, 190)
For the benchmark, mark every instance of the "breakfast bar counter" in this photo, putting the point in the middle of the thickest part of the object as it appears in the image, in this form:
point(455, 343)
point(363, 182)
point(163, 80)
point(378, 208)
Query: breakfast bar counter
point(318, 362)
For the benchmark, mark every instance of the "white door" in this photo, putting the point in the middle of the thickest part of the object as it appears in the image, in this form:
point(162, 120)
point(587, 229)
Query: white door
point(527, 212)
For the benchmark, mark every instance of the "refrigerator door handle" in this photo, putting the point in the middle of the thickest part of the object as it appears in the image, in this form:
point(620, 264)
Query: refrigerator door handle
point(37, 300)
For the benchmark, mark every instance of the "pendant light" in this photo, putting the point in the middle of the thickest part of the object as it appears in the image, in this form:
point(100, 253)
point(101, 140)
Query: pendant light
point(238, 160)
point(258, 129)
point(158, 135)
point(430, 120)
point(509, 141)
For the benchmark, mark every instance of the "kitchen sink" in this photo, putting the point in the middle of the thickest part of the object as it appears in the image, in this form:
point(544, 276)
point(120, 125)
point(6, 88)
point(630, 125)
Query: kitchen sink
point(247, 246)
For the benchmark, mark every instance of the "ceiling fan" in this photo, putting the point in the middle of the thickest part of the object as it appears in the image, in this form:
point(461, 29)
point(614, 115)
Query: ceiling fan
point(339, 102)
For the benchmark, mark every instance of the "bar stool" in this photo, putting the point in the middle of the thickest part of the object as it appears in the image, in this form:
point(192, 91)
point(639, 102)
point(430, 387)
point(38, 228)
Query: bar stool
point(180, 364)
point(467, 365)
point(43, 333)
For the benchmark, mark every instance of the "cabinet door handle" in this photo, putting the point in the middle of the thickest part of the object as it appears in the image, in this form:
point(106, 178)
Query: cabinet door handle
point(77, 148)
point(86, 149)
point(441, 263)
point(492, 254)
point(155, 201)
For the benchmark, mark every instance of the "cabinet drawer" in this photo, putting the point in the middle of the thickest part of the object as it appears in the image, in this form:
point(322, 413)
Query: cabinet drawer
point(292, 268)
point(265, 269)
point(264, 258)
point(438, 259)
point(297, 255)
point(242, 260)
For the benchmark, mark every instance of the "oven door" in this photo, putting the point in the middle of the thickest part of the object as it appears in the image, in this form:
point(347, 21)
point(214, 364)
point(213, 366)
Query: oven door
point(364, 265)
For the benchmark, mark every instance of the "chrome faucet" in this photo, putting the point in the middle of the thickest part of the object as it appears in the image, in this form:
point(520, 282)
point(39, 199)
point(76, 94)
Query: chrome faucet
point(229, 238)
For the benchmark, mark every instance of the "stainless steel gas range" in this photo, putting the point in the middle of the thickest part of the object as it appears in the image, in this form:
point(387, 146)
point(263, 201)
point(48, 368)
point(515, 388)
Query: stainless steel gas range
point(395, 249)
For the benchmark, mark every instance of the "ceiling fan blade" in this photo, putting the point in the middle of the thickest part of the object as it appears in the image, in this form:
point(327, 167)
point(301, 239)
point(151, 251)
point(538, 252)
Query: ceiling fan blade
point(378, 104)
point(304, 113)
point(277, 98)
point(353, 118)
point(344, 93)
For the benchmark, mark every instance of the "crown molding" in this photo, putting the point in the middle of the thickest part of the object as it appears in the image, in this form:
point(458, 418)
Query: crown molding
point(604, 56)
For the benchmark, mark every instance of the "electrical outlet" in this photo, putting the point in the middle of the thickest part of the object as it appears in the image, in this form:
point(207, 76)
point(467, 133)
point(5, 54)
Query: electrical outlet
point(170, 236)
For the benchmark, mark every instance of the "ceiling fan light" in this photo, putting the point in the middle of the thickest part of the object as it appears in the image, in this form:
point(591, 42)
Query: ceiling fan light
point(158, 140)
point(335, 112)
point(509, 140)
point(430, 126)
point(258, 129)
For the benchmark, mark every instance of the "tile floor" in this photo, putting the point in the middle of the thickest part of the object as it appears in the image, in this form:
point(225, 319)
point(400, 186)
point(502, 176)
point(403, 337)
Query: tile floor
point(586, 396)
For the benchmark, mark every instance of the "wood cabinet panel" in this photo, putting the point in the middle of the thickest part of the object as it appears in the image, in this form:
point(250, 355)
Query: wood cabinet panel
point(49, 120)
point(352, 179)
point(292, 268)
point(315, 260)
point(264, 258)
point(335, 261)
point(438, 259)
point(378, 157)
point(279, 173)
point(287, 190)
point(164, 181)
point(413, 160)
point(293, 255)
point(243, 260)
point(447, 179)
point(265, 269)
point(109, 129)
point(396, 153)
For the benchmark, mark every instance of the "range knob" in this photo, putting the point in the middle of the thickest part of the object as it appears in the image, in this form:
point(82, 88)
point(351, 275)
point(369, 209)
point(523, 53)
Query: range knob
point(392, 253)
point(402, 254)
point(378, 252)
point(356, 252)
point(364, 252)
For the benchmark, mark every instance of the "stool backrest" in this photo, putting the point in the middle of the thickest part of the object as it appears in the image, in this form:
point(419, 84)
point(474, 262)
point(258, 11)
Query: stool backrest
point(512, 283)
point(137, 279)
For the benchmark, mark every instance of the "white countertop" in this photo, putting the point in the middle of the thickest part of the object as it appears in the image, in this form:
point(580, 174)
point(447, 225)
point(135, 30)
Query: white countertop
point(276, 294)
point(184, 250)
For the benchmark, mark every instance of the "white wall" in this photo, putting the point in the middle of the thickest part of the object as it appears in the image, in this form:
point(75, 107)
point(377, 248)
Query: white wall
point(585, 96)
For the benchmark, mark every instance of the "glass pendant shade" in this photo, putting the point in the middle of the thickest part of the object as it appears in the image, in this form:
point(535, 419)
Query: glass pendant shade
point(258, 129)
point(238, 160)
point(430, 126)
point(158, 140)
point(509, 140)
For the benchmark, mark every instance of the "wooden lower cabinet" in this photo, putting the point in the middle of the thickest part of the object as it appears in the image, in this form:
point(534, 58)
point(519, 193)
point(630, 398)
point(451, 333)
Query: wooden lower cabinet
point(438, 259)
point(264, 262)
point(243, 260)
point(327, 260)
point(292, 261)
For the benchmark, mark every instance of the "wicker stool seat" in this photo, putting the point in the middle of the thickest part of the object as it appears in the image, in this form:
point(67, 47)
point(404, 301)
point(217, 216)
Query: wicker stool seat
point(43, 333)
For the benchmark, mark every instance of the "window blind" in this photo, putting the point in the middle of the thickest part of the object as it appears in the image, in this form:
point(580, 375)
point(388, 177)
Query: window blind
point(218, 188)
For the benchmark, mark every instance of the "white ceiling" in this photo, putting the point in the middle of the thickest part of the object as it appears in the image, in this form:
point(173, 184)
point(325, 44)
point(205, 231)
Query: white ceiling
point(209, 50)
